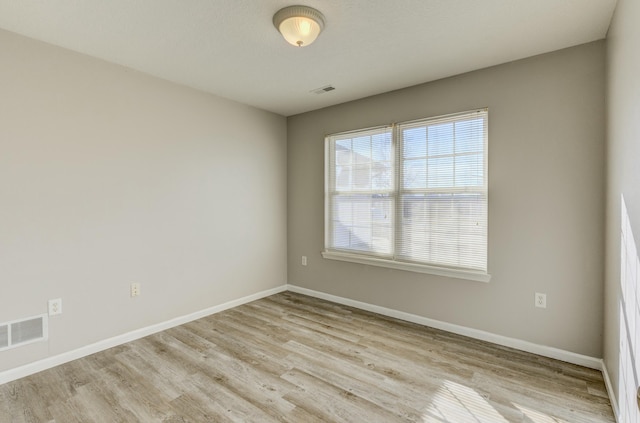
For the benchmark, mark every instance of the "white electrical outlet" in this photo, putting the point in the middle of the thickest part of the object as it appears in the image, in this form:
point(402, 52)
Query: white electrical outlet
point(55, 307)
point(135, 289)
point(304, 260)
point(541, 300)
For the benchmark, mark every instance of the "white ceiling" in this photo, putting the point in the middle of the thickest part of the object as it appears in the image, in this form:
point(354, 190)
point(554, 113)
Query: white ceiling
point(230, 47)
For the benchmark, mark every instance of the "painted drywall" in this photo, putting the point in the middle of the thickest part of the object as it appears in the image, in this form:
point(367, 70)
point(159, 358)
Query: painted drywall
point(108, 177)
point(546, 201)
point(623, 169)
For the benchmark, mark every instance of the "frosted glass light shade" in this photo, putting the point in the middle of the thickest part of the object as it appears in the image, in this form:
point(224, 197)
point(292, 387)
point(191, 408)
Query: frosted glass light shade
point(299, 25)
point(299, 31)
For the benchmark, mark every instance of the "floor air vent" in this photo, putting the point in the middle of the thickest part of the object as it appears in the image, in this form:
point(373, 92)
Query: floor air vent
point(22, 332)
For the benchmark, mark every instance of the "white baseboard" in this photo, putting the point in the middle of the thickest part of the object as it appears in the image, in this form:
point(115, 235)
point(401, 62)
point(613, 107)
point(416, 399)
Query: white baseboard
point(570, 357)
point(611, 392)
point(545, 351)
point(47, 363)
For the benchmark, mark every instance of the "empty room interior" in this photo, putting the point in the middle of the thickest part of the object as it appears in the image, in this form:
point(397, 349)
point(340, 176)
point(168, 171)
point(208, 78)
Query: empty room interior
point(334, 211)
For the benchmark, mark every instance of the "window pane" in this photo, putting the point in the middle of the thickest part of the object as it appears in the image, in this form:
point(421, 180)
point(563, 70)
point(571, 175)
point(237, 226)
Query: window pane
point(470, 136)
point(341, 236)
point(440, 172)
point(343, 211)
point(469, 170)
point(363, 163)
point(362, 149)
point(444, 229)
point(362, 177)
point(382, 168)
point(343, 178)
point(343, 147)
point(414, 142)
point(382, 176)
point(415, 174)
point(440, 139)
point(362, 222)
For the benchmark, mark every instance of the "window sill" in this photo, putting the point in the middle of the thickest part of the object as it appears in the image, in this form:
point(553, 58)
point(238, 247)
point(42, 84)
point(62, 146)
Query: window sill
point(411, 267)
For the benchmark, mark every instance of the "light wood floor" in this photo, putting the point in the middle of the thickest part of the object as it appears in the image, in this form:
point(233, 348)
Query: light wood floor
point(293, 358)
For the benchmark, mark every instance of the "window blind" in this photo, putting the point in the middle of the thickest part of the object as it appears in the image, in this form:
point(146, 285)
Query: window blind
point(361, 199)
point(414, 192)
point(442, 191)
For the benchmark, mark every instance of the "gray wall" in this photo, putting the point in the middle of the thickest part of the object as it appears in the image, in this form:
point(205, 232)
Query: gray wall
point(108, 177)
point(546, 196)
point(623, 168)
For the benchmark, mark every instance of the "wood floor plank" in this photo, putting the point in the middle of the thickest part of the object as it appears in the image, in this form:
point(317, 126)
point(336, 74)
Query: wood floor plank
point(333, 403)
point(294, 358)
point(384, 393)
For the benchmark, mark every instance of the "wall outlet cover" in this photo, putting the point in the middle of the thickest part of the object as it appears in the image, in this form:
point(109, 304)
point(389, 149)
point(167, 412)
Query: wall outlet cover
point(55, 307)
point(541, 300)
point(135, 289)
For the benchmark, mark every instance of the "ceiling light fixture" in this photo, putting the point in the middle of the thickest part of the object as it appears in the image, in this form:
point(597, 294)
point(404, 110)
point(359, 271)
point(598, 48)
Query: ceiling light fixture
point(299, 25)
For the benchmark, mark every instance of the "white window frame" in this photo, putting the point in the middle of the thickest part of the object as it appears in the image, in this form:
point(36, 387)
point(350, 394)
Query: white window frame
point(370, 258)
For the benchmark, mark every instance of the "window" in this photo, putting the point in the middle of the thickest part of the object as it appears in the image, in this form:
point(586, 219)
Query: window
point(412, 196)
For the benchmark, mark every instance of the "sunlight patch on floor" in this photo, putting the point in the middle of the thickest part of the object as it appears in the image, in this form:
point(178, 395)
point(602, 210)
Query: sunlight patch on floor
point(457, 403)
point(533, 416)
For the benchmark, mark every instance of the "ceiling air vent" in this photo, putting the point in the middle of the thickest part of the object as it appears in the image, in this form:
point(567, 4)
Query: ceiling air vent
point(21, 332)
point(323, 90)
